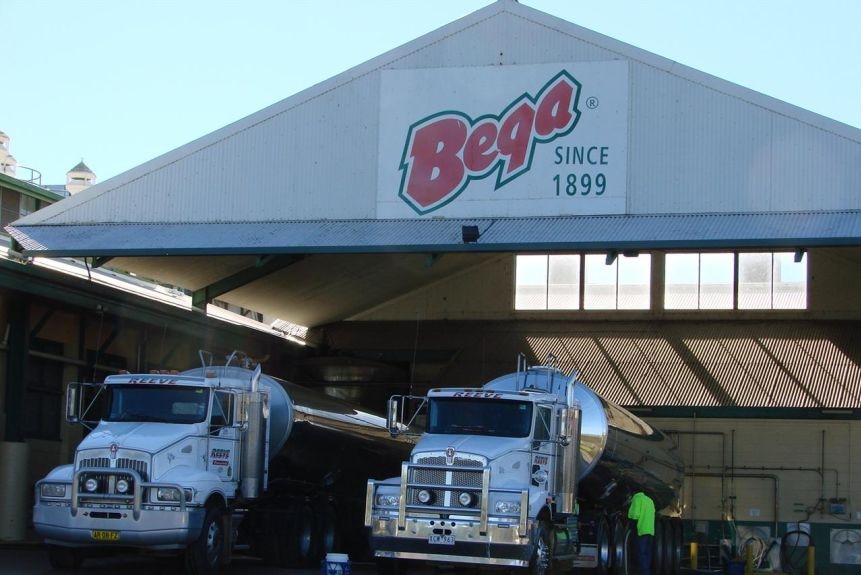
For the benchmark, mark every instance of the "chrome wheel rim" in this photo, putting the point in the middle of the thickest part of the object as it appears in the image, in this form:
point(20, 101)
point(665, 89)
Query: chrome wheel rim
point(213, 543)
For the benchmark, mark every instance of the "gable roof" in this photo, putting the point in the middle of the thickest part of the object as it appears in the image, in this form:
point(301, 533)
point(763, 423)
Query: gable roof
point(301, 176)
point(278, 157)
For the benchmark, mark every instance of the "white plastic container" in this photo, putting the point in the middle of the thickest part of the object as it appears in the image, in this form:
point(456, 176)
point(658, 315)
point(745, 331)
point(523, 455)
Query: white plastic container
point(336, 564)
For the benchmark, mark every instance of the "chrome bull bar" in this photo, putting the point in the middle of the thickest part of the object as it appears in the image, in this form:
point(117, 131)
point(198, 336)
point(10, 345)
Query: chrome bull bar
point(135, 499)
point(482, 512)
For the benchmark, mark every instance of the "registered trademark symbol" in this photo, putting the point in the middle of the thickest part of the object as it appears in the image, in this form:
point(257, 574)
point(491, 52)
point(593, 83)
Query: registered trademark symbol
point(592, 102)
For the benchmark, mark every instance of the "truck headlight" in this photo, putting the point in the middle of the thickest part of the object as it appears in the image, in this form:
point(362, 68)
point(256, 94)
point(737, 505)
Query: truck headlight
point(466, 499)
point(122, 486)
point(388, 500)
point(424, 496)
point(167, 494)
point(173, 494)
point(508, 507)
point(53, 490)
point(91, 484)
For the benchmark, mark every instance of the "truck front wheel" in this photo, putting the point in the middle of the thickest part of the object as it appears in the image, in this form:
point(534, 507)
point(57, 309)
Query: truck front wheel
point(204, 556)
point(542, 557)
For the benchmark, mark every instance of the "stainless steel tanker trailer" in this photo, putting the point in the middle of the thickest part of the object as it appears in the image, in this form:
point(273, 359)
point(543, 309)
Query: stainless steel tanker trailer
point(211, 461)
point(532, 470)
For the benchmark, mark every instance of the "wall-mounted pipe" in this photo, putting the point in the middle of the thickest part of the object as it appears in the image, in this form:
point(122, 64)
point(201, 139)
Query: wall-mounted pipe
point(722, 436)
point(774, 478)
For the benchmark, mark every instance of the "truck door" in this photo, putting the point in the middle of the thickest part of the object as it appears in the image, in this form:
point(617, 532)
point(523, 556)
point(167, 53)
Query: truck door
point(223, 437)
point(543, 449)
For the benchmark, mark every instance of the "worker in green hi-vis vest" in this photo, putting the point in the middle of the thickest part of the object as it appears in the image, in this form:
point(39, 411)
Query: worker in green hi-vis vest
point(642, 510)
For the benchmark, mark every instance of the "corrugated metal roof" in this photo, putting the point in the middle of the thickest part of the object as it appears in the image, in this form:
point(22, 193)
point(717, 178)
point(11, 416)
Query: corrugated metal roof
point(665, 231)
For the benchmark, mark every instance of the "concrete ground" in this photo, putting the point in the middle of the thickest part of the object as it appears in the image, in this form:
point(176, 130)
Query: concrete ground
point(31, 559)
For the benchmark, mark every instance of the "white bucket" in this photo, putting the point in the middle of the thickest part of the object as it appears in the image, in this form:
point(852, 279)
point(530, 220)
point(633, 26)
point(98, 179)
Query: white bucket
point(336, 564)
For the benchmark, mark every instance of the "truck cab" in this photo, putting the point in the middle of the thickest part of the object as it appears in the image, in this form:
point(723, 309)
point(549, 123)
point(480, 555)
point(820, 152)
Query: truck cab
point(486, 476)
point(158, 470)
point(533, 470)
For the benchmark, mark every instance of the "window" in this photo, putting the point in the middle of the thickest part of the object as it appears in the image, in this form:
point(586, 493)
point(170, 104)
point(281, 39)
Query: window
point(542, 424)
point(44, 392)
point(222, 411)
point(547, 282)
point(10, 206)
point(28, 205)
point(555, 282)
point(763, 280)
point(157, 403)
point(468, 416)
point(699, 281)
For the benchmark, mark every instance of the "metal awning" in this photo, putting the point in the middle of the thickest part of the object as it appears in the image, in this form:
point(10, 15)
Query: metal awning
point(581, 233)
point(316, 272)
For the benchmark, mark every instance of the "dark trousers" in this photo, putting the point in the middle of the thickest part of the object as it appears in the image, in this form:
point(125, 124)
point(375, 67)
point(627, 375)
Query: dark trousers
point(644, 554)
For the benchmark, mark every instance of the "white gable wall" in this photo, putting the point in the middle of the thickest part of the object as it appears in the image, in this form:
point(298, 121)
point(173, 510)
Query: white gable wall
point(695, 143)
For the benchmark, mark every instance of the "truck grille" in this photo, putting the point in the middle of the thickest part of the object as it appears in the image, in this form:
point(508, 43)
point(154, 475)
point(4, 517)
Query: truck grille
point(432, 473)
point(106, 481)
point(95, 462)
point(135, 464)
point(122, 463)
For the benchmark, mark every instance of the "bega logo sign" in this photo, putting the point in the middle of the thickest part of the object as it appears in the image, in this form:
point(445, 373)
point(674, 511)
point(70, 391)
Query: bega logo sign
point(447, 150)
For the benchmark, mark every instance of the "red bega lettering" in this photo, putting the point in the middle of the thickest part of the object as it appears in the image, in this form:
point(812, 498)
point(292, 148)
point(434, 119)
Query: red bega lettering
point(445, 151)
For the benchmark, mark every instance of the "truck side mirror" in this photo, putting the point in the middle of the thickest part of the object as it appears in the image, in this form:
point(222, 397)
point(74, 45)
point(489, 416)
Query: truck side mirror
point(73, 403)
point(82, 403)
point(392, 422)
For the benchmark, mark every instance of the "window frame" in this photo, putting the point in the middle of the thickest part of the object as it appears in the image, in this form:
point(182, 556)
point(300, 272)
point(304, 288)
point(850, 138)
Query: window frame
point(736, 282)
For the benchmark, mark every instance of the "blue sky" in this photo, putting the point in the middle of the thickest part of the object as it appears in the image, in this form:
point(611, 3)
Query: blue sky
point(118, 83)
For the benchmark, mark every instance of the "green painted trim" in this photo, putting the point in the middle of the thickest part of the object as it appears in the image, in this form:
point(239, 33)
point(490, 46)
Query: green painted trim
point(264, 266)
point(29, 189)
point(734, 412)
point(76, 292)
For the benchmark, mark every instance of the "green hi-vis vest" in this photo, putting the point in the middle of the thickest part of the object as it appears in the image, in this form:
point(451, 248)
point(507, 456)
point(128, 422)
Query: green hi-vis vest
point(643, 510)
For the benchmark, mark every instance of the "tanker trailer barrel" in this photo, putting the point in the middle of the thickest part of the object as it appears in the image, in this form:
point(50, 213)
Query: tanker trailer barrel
point(621, 454)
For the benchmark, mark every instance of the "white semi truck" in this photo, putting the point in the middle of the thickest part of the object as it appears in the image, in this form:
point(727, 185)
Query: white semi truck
point(210, 461)
point(532, 470)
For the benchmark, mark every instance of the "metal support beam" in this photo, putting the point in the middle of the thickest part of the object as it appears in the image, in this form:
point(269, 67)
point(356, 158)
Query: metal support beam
point(264, 266)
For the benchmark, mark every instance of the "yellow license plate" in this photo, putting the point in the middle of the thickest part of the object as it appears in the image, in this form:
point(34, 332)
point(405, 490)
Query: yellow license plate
point(101, 535)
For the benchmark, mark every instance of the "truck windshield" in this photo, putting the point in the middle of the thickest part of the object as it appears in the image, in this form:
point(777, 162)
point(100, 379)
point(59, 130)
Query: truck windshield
point(457, 415)
point(159, 403)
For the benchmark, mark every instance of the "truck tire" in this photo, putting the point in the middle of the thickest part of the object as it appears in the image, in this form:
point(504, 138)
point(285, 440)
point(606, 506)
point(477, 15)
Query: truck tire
point(658, 547)
point(678, 534)
point(303, 537)
point(603, 546)
point(667, 546)
point(275, 540)
point(205, 556)
point(64, 557)
point(542, 558)
point(327, 533)
point(621, 541)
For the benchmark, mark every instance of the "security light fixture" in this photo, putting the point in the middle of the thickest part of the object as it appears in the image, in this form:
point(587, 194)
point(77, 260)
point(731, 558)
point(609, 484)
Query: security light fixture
point(469, 234)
